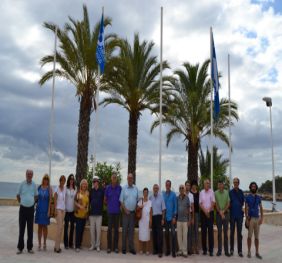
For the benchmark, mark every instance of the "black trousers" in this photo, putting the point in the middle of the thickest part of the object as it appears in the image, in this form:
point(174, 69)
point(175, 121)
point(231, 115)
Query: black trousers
point(207, 227)
point(26, 217)
point(113, 222)
point(157, 231)
point(68, 236)
point(238, 222)
point(170, 234)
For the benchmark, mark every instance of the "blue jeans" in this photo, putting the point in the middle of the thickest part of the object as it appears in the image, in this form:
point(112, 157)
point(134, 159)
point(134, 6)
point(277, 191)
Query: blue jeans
point(79, 229)
point(171, 227)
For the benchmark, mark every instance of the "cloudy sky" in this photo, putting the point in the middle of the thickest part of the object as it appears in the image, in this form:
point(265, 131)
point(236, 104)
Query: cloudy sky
point(249, 30)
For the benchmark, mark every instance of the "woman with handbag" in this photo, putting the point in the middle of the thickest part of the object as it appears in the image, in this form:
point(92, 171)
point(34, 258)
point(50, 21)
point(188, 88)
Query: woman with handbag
point(42, 212)
point(144, 209)
point(81, 212)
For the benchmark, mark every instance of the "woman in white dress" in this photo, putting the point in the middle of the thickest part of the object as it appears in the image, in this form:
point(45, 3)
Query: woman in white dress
point(145, 222)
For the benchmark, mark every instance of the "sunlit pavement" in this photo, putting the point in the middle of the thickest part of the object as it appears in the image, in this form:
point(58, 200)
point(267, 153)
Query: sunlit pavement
point(270, 248)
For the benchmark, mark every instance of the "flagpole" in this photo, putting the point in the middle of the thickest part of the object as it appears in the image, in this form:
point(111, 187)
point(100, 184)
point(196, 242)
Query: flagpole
point(229, 115)
point(96, 120)
point(161, 99)
point(211, 110)
point(51, 125)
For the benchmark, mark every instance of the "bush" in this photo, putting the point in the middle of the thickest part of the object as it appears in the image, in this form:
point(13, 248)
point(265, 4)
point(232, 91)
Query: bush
point(104, 172)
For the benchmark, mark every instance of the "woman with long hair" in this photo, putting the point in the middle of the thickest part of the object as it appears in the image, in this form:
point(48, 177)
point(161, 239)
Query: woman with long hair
point(69, 216)
point(43, 210)
point(81, 203)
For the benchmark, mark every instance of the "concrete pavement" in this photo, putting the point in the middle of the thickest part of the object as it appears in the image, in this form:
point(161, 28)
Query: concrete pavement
point(271, 248)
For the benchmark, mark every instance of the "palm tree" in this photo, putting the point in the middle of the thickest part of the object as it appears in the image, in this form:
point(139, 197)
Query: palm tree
point(77, 63)
point(135, 88)
point(188, 112)
point(220, 166)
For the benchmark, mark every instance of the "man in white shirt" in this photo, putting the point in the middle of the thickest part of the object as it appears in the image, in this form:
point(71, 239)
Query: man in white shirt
point(190, 228)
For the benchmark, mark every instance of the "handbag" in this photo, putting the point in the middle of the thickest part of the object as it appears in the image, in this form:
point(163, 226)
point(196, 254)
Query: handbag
point(138, 213)
point(52, 205)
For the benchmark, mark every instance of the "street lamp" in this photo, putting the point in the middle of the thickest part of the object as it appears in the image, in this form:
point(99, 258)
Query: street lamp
point(268, 102)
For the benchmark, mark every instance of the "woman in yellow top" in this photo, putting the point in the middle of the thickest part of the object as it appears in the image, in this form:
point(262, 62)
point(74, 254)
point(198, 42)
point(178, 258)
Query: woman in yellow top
point(81, 212)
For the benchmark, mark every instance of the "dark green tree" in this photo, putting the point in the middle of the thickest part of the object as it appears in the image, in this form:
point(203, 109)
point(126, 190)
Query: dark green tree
point(135, 88)
point(188, 112)
point(76, 63)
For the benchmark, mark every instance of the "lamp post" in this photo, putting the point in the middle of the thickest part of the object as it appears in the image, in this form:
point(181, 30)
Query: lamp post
point(268, 102)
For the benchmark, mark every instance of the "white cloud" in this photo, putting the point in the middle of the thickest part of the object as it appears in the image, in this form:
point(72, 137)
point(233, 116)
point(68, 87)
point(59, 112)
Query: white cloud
point(249, 33)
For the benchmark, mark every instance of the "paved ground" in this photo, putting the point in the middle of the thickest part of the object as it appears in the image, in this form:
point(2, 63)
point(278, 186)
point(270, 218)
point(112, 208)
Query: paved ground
point(271, 248)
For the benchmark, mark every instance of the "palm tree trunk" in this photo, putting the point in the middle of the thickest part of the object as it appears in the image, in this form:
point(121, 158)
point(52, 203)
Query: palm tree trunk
point(132, 143)
point(83, 136)
point(192, 171)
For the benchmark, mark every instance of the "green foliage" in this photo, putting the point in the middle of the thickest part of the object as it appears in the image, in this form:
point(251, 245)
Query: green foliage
point(266, 187)
point(219, 168)
point(104, 172)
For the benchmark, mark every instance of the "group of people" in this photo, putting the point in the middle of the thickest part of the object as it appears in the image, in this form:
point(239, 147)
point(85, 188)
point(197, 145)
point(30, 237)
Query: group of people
point(182, 213)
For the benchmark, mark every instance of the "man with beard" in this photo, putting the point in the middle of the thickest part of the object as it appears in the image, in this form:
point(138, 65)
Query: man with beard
point(254, 217)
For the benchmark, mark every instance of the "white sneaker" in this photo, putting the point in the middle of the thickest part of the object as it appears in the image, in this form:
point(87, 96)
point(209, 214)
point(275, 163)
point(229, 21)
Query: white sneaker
point(98, 249)
point(77, 250)
point(91, 248)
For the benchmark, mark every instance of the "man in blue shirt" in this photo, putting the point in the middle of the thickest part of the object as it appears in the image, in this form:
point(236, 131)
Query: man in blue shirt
point(170, 218)
point(26, 196)
point(237, 200)
point(254, 217)
point(128, 200)
point(158, 208)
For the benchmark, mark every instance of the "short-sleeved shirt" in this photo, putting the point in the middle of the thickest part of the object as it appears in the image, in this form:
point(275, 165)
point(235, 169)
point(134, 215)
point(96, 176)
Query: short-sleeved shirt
point(61, 198)
point(27, 192)
point(96, 201)
point(170, 204)
point(222, 198)
point(253, 202)
point(70, 194)
point(129, 197)
point(183, 208)
point(206, 199)
point(112, 195)
point(158, 204)
point(237, 200)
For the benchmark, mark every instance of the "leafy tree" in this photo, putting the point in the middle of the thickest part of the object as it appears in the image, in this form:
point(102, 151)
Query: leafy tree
point(76, 60)
point(104, 172)
point(135, 87)
point(188, 112)
point(220, 166)
point(266, 187)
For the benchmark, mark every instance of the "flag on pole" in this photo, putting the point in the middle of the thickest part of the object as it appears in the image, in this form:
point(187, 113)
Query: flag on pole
point(214, 76)
point(100, 50)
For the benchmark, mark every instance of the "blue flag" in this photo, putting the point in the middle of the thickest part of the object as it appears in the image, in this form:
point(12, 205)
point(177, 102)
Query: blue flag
point(214, 76)
point(100, 50)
